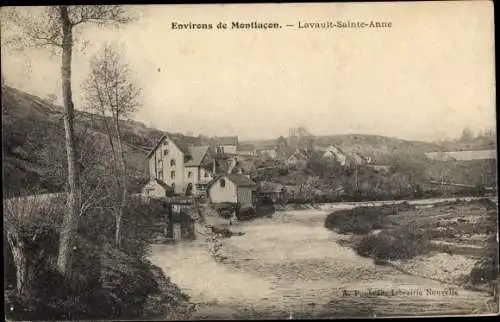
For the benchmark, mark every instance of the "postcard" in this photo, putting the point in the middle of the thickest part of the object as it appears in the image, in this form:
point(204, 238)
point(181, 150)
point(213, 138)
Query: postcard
point(249, 161)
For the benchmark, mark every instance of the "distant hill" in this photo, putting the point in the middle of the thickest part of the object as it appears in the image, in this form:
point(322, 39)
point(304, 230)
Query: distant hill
point(477, 143)
point(34, 155)
point(381, 149)
point(408, 157)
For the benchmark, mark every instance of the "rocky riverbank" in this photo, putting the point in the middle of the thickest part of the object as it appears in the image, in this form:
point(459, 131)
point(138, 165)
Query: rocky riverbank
point(452, 242)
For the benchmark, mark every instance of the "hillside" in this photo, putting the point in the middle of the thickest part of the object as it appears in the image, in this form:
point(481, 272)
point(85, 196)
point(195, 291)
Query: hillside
point(34, 156)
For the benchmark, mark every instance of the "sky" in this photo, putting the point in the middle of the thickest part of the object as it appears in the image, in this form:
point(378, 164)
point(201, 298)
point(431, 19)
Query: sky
point(426, 78)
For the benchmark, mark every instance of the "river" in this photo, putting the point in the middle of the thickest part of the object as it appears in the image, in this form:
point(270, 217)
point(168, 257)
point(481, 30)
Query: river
point(290, 266)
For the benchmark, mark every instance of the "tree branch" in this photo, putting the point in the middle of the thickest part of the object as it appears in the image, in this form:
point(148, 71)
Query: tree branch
point(100, 15)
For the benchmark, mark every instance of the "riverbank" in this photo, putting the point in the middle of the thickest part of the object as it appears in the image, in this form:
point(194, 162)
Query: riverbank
point(349, 205)
point(449, 241)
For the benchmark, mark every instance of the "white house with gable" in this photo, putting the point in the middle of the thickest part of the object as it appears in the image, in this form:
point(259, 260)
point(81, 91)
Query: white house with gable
point(332, 152)
point(181, 166)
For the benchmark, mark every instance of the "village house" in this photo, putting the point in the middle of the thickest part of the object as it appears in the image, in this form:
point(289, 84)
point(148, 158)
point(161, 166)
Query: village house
point(231, 188)
point(332, 152)
point(226, 144)
point(246, 150)
point(157, 189)
point(199, 169)
point(298, 159)
point(357, 158)
point(269, 152)
point(271, 192)
point(182, 167)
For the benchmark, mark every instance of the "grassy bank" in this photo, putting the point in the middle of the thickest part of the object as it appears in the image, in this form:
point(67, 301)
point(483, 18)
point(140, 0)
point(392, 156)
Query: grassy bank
point(461, 230)
point(107, 283)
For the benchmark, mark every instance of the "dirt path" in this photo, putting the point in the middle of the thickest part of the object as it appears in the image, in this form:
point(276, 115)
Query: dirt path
point(290, 266)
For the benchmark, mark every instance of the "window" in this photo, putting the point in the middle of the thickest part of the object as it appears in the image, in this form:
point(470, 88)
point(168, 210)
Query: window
point(190, 174)
point(206, 174)
point(165, 152)
point(165, 142)
point(172, 163)
point(172, 175)
point(222, 183)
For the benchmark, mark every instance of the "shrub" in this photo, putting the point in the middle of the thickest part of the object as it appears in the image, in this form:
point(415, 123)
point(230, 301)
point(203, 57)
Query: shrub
point(249, 213)
point(399, 243)
point(246, 213)
point(486, 269)
point(225, 209)
point(141, 220)
point(362, 220)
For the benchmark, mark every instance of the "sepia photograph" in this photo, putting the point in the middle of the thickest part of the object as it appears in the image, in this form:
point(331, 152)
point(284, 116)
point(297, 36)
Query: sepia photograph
point(249, 161)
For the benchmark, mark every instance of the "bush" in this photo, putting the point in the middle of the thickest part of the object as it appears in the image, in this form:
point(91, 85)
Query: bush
point(398, 243)
point(362, 220)
point(246, 213)
point(249, 213)
point(141, 221)
point(486, 269)
point(225, 209)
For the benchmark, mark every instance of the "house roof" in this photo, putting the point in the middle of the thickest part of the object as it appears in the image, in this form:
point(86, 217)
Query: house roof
point(197, 154)
point(246, 147)
point(238, 179)
point(183, 143)
point(299, 154)
point(226, 140)
point(241, 180)
point(161, 183)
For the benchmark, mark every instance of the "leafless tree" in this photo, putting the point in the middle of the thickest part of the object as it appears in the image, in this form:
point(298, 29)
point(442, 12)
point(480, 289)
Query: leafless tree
point(111, 92)
point(467, 135)
point(55, 27)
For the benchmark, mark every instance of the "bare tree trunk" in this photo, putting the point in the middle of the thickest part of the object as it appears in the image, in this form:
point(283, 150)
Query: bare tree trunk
point(70, 220)
point(23, 278)
point(124, 184)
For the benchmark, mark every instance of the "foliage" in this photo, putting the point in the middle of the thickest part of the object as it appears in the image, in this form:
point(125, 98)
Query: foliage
point(486, 269)
point(140, 221)
point(396, 243)
point(225, 209)
point(362, 220)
